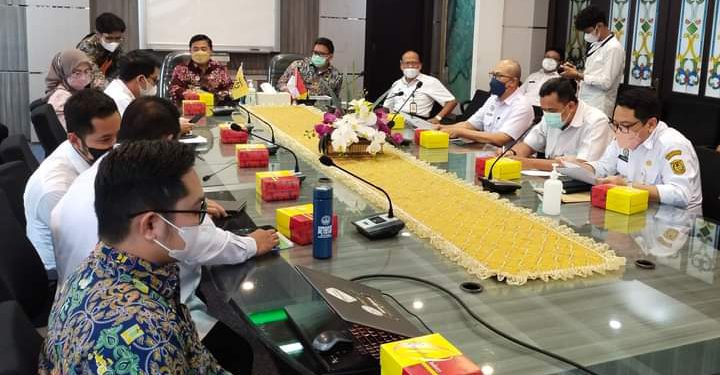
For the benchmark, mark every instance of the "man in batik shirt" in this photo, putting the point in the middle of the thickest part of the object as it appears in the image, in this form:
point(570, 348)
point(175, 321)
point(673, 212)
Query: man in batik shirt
point(103, 47)
point(317, 72)
point(201, 73)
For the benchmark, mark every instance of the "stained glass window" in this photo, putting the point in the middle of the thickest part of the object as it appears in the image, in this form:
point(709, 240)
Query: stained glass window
point(642, 57)
point(618, 19)
point(575, 48)
point(713, 69)
point(688, 59)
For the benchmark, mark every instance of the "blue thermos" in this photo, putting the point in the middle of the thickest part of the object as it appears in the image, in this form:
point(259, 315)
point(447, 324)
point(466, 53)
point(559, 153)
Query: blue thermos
point(322, 221)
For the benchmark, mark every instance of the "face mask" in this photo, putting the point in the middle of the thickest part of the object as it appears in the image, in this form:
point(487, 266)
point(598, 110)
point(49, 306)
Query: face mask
point(629, 141)
point(318, 60)
point(549, 65)
point(149, 90)
point(200, 57)
point(411, 73)
point(110, 47)
point(591, 37)
point(78, 82)
point(496, 87)
point(553, 120)
point(200, 240)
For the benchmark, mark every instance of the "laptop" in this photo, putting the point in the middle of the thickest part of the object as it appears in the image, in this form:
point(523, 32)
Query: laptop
point(359, 312)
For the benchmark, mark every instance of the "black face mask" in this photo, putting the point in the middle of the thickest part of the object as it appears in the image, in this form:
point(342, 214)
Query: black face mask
point(96, 153)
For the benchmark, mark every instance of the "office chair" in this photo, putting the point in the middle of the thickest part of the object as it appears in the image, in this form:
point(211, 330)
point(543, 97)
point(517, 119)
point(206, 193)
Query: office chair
point(20, 343)
point(279, 64)
point(16, 147)
point(709, 161)
point(36, 103)
point(13, 178)
point(48, 128)
point(471, 106)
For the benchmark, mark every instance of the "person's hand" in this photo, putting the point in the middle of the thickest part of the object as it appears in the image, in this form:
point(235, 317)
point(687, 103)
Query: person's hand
point(615, 180)
point(436, 126)
point(454, 132)
point(265, 240)
point(570, 71)
point(434, 121)
point(185, 126)
point(215, 209)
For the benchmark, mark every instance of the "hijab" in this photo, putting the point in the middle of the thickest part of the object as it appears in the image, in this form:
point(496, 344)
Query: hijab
point(61, 68)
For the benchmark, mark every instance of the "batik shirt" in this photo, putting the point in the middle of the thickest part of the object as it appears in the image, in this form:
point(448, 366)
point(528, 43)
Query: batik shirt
point(317, 82)
point(189, 77)
point(105, 63)
point(118, 314)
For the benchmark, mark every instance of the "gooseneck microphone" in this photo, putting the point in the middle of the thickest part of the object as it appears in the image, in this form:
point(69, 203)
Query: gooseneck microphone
point(391, 123)
point(502, 186)
point(375, 226)
point(238, 128)
point(272, 146)
point(211, 175)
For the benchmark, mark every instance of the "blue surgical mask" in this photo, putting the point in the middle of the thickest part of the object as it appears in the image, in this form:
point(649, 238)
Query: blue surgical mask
point(496, 87)
point(318, 60)
point(553, 120)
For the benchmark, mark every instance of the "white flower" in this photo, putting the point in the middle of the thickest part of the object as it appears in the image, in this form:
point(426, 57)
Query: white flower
point(376, 142)
point(343, 137)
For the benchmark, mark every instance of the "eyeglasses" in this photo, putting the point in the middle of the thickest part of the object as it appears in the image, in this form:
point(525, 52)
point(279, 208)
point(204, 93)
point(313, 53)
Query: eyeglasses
point(323, 54)
point(202, 212)
point(622, 127)
point(412, 64)
point(499, 75)
point(80, 73)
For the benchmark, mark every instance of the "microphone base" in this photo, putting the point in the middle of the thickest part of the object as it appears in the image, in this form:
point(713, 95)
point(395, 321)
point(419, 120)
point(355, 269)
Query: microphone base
point(272, 148)
point(300, 176)
point(500, 186)
point(379, 226)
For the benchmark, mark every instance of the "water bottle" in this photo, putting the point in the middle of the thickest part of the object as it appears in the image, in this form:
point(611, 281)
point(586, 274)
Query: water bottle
point(251, 97)
point(552, 193)
point(322, 221)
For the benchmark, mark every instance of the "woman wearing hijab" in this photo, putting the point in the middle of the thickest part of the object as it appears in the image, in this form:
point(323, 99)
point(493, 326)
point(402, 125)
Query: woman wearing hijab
point(70, 71)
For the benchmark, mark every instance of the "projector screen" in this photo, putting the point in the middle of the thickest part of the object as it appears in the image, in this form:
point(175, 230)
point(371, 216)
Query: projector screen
point(233, 25)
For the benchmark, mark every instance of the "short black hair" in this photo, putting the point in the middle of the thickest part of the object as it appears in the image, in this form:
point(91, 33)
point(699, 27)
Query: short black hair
point(644, 101)
point(138, 176)
point(149, 117)
point(84, 106)
point(137, 63)
point(560, 51)
point(109, 23)
point(200, 37)
point(325, 42)
point(566, 89)
point(411, 51)
point(589, 17)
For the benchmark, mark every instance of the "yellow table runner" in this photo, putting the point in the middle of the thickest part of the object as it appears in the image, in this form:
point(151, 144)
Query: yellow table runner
point(486, 235)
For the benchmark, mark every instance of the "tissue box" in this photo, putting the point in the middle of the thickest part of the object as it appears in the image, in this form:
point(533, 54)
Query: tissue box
point(282, 188)
point(480, 163)
point(399, 121)
point(627, 200)
point(209, 100)
point(417, 135)
point(227, 135)
point(252, 155)
point(621, 223)
point(598, 196)
point(301, 228)
point(440, 155)
point(425, 355)
point(193, 107)
point(260, 175)
point(283, 216)
point(505, 169)
point(434, 139)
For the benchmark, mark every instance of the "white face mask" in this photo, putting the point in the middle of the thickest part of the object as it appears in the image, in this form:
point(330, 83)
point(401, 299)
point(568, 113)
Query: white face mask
point(591, 37)
point(549, 65)
point(200, 242)
point(111, 47)
point(411, 73)
point(149, 90)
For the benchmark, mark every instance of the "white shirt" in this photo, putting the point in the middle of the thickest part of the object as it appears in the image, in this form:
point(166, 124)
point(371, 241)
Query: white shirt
point(43, 191)
point(120, 93)
point(533, 83)
point(75, 235)
point(604, 68)
point(431, 91)
point(666, 159)
point(513, 116)
point(586, 137)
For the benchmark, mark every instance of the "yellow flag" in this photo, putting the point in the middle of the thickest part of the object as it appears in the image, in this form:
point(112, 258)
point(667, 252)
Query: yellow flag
point(240, 87)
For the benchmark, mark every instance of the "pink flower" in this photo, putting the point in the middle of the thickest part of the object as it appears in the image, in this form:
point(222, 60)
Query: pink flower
point(329, 118)
point(382, 126)
point(397, 138)
point(323, 129)
point(381, 115)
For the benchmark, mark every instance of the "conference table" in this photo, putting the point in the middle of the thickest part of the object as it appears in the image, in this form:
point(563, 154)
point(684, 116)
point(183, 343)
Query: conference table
point(664, 320)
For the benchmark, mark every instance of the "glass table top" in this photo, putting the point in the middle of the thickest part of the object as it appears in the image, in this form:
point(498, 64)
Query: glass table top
point(660, 321)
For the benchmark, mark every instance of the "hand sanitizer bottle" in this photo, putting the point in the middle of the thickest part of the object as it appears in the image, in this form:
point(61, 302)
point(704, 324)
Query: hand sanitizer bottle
point(552, 193)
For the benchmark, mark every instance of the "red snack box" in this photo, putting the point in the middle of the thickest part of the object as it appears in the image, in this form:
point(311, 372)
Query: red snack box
point(252, 155)
point(283, 188)
point(480, 165)
point(417, 135)
point(301, 229)
point(193, 107)
point(227, 135)
point(191, 95)
point(598, 195)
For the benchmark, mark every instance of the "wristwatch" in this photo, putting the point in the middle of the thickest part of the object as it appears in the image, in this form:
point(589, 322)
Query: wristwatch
point(438, 117)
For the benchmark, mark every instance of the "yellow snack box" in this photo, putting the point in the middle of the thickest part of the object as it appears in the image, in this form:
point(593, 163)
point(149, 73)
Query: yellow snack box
point(399, 121)
point(627, 200)
point(434, 139)
point(209, 100)
point(425, 355)
point(505, 169)
point(621, 223)
point(283, 216)
point(430, 155)
point(260, 175)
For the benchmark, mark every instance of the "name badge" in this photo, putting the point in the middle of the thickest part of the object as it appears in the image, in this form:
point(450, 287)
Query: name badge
point(624, 155)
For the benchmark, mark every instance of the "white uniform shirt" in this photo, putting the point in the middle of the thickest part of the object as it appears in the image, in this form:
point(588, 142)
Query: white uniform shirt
point(604, 67)
point(531, 87)
point(666, 159)
point(431, 91)
point(586, 137)
point(513, 116)
point(43, 191)
point(74, 227)
point(120, 93)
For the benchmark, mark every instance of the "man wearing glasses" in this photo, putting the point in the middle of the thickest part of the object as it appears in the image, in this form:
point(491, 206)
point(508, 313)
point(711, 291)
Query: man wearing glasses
point(104, 48)
point(649, 155)
point(317, 72)
point(505, 116)
point(139, 72)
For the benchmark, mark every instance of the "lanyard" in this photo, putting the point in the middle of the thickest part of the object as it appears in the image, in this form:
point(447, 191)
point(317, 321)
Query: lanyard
point(593, 50)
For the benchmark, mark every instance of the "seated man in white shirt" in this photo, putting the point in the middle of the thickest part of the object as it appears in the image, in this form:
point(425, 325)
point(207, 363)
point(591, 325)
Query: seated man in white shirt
point(550, 63)
point(569, 128)
point(139, 72)
point(648, 154)
point(421, 102)
point(504, 117)
point(92, 123)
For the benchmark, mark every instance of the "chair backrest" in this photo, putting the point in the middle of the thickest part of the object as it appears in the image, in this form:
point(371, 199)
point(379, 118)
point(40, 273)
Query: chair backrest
point(16, 147)
point(48, 128)
point(709, 166)
point(278, 65)
point(21, 270)
point(469, 108)
point(36, 103)
point(169, 63)
point(4, 132)
point(13, 178)
point(20, 343)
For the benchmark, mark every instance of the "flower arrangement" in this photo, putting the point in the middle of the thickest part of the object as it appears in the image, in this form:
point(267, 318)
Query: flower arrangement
point(362, 126)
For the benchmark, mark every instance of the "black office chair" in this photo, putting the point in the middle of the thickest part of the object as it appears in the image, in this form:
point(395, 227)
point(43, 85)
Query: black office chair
point(13, 178)
point(48, 128)
point(709, 166)
point(4, 133)
point(16, 147)
point(469, 107)
point(36, 103)
point(20, 343)
point(279, 64)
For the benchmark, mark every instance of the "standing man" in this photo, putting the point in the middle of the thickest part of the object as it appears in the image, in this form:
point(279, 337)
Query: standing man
point(317, 71)
point(531, 88)
point(103, 47)
point(421, 102)
point(604, 63)
point(139, 72)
